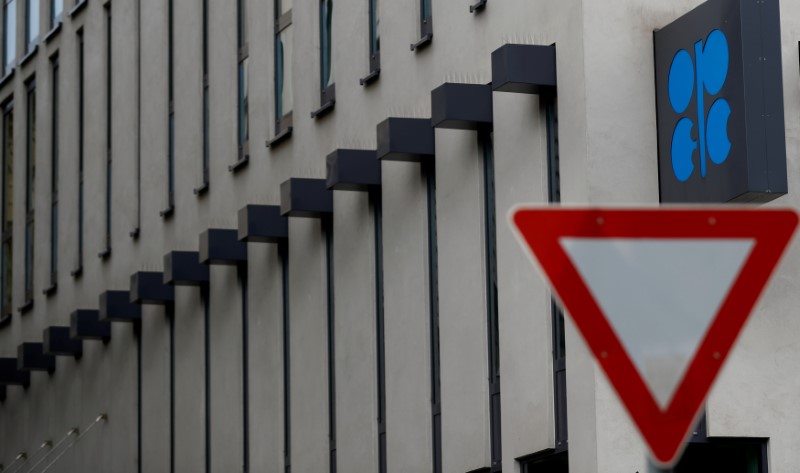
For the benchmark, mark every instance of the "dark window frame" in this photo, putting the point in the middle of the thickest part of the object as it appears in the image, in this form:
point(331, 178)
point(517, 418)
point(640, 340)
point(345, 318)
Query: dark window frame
point(55, 74)
point(374, 44)
point(7, 274)
point(242, 87)
point(32, 43)
point(30, 193)
point(380, 336)
point(56, 17)
point(9, 63)
point(425, 25)
point(327, 225)
point(206, 158)
point(429, 171)
point(169, 209)
point(283, 119)
point(109, 134)
point(486, 144)
point(78, 270)
point(327, 96)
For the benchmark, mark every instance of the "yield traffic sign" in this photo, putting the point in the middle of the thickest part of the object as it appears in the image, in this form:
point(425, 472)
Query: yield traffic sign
point(659, 296)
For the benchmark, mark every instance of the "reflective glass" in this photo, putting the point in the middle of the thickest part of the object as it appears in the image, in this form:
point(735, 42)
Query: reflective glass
point(244, 112)
point(33, 23)
point(10, 36)
point(283, 75)
point(426, 9)
point(374, 30)
point(326, 12)
point(56, 11)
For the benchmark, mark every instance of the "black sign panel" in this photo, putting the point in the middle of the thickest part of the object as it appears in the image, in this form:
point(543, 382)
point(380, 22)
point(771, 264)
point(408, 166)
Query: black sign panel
point(719, 97)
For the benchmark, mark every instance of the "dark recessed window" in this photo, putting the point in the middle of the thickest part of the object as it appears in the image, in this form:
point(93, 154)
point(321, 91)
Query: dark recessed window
point(170, 111)
point(109, 134)
point(327, 83)
point(31, 25)
point(54, 136)
point(374, 42)
point(81, 79)
point(559, 336)
point(56, 12)
point(30, 189)
point(8, 210)
point(284, 102)
point(429, 169)
point(243, 84)
point(425, 25)
point(9, 35)
point(206, 111)
point(485, 140)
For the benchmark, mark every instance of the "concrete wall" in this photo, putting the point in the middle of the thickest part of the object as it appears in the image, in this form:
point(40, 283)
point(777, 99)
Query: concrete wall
point(607, 135)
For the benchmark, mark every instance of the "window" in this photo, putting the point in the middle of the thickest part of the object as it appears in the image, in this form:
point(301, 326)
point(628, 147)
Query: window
point(425, 25)
point(9, 35)
point(243, 121)
point(8, 211)
point(559, 337)
point(377, 208)
point(32, 25)
point(283, 70)
point(81, 75)
point(328, 228)
point(374, 43)
point(54, 134)
point(242, 273)
point(170, 207)
point(327, 85)
point(433, 308)
point(485, 140)
point(30, 190)
point(206, 112)
point(109, 121)
point(56, 12)
point(283, 253)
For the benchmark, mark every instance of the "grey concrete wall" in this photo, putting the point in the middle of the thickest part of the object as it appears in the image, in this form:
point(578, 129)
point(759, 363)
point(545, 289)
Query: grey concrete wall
point(607, 141)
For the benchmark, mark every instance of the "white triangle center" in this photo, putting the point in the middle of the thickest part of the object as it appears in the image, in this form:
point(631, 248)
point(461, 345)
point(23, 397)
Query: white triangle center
point(659, 295)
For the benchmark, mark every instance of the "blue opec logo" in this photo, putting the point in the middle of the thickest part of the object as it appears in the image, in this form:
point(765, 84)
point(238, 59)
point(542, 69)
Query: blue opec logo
point(688, 79)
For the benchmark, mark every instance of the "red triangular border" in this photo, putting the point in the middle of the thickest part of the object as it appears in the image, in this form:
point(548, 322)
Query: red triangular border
point(663, 431)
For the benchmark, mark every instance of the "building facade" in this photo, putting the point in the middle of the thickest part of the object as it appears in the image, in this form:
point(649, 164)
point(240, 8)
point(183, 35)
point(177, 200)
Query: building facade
point(270, 236)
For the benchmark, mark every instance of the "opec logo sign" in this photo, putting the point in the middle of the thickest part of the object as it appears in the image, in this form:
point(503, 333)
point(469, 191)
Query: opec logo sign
point(709, 71)
point(719, 97)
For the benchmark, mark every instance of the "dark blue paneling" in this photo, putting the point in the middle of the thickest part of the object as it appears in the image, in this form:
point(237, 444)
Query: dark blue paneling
point(302, 197)
point(461, 106)
point(11, 375)
point(353, 170)
point(405, 139)
point(183, 268)
point(525, 69)
point(115, 306)
point(147, 287)
point(31, 357)
point(57, 341)
point(222, 246)
point(262, 223)
point(85, 324)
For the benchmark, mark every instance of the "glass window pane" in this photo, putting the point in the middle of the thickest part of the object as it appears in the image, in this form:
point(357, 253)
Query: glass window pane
point(283, 76)
point(33, 22)
point(10, 39)
point(31, 151)
point(326, 12)
point(426, 9)
point(244, 113)
point(242, 23)
point(8, 178)
point(374, 31)
point(56, 10)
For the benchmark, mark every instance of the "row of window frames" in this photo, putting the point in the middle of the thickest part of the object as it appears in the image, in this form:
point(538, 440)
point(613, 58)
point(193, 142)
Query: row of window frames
point(32, 23)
